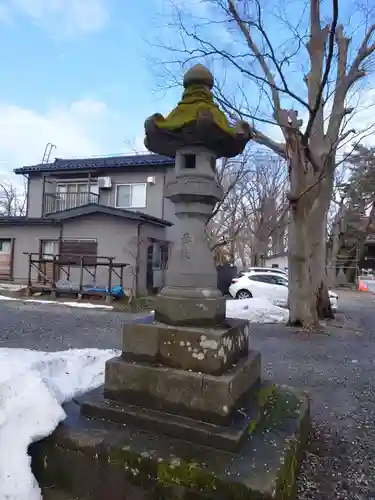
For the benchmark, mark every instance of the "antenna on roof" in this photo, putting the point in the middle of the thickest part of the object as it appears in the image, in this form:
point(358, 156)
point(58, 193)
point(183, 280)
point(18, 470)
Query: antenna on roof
point(47, 152)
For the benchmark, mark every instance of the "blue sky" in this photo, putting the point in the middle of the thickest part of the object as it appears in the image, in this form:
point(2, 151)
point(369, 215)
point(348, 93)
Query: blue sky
point(77, 73)
point(64, 60)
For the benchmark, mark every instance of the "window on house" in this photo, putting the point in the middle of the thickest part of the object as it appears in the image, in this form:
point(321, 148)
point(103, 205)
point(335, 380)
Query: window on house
point(73, 251)
point(160, 256)
point(131, 195)
point(5, 246)
point(75, 194)
point(49, 249)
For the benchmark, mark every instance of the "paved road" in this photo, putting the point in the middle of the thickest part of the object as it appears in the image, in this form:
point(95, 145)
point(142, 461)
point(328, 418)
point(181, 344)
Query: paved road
point(52, 327)
point(337, 369)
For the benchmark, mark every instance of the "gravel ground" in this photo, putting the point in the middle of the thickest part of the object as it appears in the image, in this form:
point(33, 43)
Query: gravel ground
point(337, 369)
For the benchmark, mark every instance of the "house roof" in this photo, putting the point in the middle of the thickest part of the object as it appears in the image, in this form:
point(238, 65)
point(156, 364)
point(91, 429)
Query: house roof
point(94, 208)
point(276, 255)
point(91, 208)
point(23, 220)
point(103, 162)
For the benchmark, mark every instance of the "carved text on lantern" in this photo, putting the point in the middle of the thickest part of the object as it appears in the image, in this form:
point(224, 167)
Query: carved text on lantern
point(186, 242)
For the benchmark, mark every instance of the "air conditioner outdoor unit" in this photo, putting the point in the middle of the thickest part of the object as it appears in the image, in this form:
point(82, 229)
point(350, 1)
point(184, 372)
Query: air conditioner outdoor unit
point(104, 182)
point(151, 180)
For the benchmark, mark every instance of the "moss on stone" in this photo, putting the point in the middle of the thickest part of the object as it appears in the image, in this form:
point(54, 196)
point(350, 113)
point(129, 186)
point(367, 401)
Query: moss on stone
point(280, 407)
point(164, 475)
point(287, 479)
point(265, 398)
point(196, 99)
point(147, 469)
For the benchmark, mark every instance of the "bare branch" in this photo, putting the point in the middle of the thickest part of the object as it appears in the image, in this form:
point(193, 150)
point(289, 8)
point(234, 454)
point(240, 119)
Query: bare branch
point(344, 81)
point(317, 82)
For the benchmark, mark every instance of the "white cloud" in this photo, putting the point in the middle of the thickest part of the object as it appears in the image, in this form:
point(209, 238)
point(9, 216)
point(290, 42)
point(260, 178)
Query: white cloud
point(64, 17)
point(76, 130)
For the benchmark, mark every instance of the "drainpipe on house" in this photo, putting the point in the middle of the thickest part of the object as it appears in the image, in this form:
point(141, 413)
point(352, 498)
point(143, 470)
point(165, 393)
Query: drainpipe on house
point(137, 258)
point(43, 195)
point(26, 201)
point(163, 199)
point(61, 235)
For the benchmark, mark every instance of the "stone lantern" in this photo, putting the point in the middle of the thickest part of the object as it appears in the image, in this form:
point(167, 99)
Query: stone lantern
point(196, 133)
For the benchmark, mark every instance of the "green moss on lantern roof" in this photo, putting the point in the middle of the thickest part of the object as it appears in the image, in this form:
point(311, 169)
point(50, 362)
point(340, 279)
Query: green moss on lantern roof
point(196, 99)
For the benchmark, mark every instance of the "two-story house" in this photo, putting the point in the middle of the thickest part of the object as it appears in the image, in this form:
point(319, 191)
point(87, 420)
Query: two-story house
point(107, 206)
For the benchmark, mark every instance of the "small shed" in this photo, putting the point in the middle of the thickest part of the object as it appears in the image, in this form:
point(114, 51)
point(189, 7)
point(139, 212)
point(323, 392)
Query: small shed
point(278, 261)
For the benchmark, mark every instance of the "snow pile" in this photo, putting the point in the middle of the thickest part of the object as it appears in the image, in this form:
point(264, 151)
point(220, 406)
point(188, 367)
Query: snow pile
point(256, 311)
point(33, 386)
point(87, 305)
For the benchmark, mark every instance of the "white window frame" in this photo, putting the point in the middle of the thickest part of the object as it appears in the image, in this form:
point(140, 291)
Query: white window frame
point(64, 205)
point(76, 184)
point(49, 256)
point(131, 184)
point(5, 240)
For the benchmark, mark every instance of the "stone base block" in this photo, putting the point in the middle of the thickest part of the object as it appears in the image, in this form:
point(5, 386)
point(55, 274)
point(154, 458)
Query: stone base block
point(206, 350)
point(93, 459)
point(229, 438)
point(198, 311)
point(197, 395)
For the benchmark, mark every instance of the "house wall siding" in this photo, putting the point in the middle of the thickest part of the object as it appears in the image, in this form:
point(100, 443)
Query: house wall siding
point(35, 196)
point(27, 239)
point(116, 237)
point(281, 261)
point(154, 192)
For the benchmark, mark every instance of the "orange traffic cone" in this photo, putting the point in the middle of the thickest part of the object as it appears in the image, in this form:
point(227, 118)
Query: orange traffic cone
point(362, 286)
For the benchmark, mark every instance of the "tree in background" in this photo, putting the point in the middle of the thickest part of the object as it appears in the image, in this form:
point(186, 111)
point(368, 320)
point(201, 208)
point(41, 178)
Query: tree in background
point(268, 77)
point(352, 213)
point(251, 219)
point(11, 202)
point(360, 192)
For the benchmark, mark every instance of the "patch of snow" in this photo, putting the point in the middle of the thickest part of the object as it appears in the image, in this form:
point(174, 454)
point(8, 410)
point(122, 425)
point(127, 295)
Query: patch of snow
point(33, 387)
point(256, 311)
point(12, 287)
point(87, 305)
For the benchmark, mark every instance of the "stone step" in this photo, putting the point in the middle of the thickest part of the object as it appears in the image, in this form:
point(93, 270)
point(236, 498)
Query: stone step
point(210, 398)
point(94, 459)
point(54, 494)
point(229, 438)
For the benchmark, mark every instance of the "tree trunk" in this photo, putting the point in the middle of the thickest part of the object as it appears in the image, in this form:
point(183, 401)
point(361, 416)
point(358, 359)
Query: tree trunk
point(301, 312)
point(308, 292)
point(318, 274)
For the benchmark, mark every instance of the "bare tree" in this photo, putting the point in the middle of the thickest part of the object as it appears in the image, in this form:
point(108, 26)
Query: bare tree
point(252, 212)
point(11, 203)
point(264, 200)
point(269, 72)
point(337, 229)
point(336, 220)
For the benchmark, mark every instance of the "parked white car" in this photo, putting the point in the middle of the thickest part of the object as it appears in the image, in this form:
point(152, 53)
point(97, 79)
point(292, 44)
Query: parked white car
point(272, 286)
point(266, 270)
